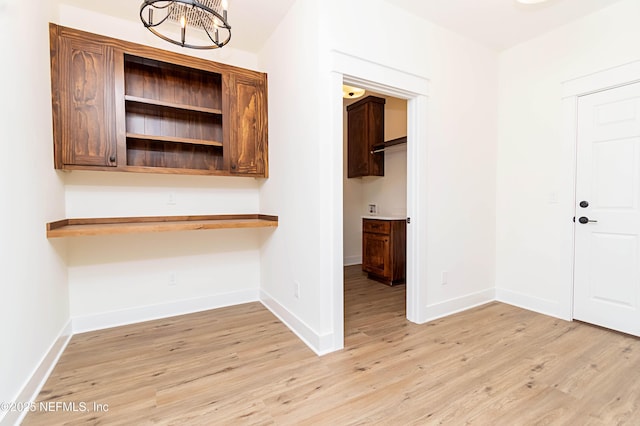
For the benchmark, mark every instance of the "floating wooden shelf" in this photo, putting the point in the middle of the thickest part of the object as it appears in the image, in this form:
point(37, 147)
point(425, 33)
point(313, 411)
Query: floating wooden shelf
point(173, 139)
point(173, 105)
point(128, 225)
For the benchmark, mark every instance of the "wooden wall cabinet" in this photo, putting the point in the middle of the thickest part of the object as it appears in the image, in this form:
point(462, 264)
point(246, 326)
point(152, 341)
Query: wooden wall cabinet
point(384, 250)
point(121, 106)
point(365, 129)
point(84, 120)
point(248, 127)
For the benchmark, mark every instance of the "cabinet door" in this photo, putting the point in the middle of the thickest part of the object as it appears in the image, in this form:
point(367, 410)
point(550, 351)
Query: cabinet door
point(376, 254)
point(358, 145)
point(84, 102)
point(365, 128)
point(248, 132)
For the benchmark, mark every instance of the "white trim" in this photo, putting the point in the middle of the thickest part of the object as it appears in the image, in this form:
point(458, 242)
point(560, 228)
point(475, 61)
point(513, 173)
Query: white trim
point(602, 80)
point(570, 123)
point(542, 306)
point(147, 313)
point(321, 344)
point(377, 77)
point(459, 304)
point(417, 208)
point(352, 260)
point(571, 89)
point(38, 378)
point(389, 81)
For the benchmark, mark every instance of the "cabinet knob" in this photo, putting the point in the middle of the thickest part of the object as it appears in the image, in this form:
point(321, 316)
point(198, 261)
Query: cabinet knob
point(233, 167)
point(112, 159)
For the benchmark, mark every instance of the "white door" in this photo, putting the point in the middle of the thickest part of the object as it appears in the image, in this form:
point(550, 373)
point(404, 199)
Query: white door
point(607, 228)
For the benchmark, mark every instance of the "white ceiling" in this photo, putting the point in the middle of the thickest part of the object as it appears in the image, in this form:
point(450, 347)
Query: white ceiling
point(498, 24)
point(252, 21)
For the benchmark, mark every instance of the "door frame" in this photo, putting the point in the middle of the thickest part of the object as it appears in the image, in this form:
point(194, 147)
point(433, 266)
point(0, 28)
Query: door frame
point(352, 70)
point(609, 78)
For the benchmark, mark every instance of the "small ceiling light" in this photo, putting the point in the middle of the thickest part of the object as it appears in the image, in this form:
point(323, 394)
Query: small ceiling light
point(531, 1)
point(196, 24)
point(350, 92)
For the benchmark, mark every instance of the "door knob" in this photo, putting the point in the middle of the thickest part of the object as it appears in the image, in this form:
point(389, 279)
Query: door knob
point(585, 219)
point(584, 204)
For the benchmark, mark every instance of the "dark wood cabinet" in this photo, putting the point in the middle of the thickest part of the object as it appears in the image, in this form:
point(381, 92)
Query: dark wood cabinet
point(384, 250)
point(365, 129)
point(84, 103)
point(126, 107)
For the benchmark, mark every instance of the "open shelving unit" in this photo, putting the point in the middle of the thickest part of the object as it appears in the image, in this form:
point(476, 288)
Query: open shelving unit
point(173, 114)
point(129, 225)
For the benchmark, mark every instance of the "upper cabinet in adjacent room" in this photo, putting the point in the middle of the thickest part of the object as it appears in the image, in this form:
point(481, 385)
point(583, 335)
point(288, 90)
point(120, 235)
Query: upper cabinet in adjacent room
point(365, 130)
point(122, 106)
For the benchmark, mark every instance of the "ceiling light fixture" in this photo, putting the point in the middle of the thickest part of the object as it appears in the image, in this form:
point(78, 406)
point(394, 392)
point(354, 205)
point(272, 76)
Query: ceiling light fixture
point(531, 1)
point(196, 24)
point(350, 92)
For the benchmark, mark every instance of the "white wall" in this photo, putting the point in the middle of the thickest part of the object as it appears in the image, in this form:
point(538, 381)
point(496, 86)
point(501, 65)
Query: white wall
point(535, 202)
point(389, 192)
point(124, 278)
point(34, 307)
point(306, 160)
point(292, 256)
point(461, 151)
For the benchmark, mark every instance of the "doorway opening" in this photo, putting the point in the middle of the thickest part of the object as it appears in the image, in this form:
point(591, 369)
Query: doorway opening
point(374, 214)
point(414, 89)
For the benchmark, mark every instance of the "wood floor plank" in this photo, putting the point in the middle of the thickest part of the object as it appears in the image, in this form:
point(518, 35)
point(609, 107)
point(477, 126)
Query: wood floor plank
point(495, 364)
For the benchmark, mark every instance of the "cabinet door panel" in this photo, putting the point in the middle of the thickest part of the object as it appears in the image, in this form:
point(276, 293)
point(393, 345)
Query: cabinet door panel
point(248, 144)
point(376, 254)
point(365, 129)
point(358, 146)
point(87, 103)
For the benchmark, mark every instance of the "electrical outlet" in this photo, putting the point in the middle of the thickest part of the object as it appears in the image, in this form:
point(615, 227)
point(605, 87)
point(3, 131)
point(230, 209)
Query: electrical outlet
point(296, 289)
point(373, 208)
point(445, 277)
point(173, 279)
point(171, 199)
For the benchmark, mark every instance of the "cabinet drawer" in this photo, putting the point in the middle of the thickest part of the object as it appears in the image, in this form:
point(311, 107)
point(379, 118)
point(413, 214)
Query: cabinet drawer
point(376, 226)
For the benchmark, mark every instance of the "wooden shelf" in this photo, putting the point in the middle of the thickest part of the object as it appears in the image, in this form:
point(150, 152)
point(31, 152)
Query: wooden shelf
point(174, 139)
point(184, 107)
point(129, 225)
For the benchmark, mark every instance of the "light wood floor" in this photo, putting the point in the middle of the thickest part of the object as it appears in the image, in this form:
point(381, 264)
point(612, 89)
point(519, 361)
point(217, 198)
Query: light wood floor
point(493, 365)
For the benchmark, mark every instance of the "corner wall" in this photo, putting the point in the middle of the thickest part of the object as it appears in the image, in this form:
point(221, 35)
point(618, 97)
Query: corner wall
point(535, 181)
point(305, 186)
point(291, 258)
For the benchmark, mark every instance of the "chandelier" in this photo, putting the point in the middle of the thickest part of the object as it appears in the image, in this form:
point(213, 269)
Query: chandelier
point(196, 24)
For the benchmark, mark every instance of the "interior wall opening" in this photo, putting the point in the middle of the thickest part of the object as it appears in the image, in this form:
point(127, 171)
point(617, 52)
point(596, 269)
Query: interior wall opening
point(374, 214)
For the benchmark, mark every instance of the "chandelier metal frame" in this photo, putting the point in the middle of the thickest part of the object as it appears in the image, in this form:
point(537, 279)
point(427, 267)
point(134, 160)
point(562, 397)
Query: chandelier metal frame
point(208, 16)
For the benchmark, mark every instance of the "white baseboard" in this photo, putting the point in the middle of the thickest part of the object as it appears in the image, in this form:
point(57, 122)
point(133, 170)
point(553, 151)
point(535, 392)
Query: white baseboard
point(530, 303)
point(459, 304)
point(38, 378)
point(148, 313)
point(321, 344)
point(352, 260)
